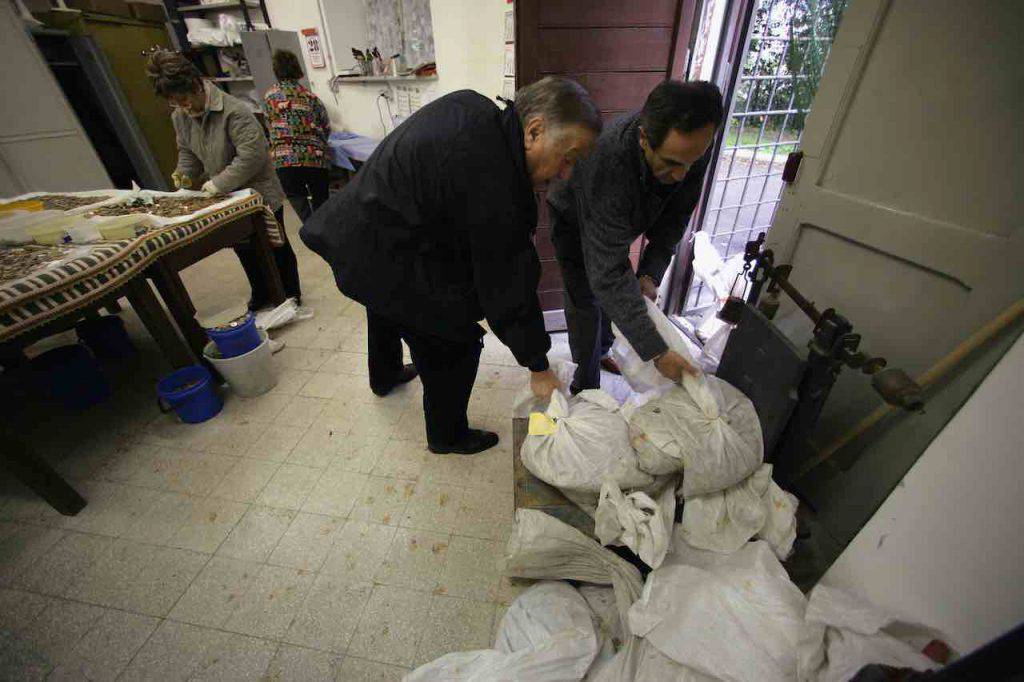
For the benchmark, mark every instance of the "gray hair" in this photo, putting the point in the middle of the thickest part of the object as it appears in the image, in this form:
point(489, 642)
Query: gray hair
point(560, 102)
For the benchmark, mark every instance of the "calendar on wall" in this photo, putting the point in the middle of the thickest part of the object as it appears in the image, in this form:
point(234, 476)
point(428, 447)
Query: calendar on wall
point(508, 86)
point(314, 48)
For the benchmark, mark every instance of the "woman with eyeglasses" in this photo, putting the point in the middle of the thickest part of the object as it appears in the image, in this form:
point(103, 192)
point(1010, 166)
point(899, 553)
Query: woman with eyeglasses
point(222, 148)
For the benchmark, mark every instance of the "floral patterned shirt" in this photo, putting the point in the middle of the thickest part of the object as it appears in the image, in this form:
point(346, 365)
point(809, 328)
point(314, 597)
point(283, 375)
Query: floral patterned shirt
point(299, 126)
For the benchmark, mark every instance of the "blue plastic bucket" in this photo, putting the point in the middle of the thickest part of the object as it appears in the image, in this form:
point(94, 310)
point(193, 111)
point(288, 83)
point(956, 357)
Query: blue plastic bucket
point(189, 392)
point(106, 337)
point(70, 376)
point(238, 340)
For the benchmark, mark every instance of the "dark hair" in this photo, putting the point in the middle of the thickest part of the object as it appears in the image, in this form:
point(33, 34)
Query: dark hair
point(674, 105)
point(287, 66)
point(560, 102)
point(171, 73)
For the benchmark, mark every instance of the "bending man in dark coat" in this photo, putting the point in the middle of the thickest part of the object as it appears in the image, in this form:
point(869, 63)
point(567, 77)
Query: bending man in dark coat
point(643, 178)
point(434, 234)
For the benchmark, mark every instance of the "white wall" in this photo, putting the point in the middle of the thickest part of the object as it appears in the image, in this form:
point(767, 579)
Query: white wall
point(469, 48)
point(945, 548)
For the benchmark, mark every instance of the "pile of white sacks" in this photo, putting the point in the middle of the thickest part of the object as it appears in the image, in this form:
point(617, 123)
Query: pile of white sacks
point(629, 464)
point(718, 604)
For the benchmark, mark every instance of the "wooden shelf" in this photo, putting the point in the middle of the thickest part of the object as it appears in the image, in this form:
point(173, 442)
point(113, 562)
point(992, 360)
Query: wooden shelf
point(228, 4)
point(384, 79)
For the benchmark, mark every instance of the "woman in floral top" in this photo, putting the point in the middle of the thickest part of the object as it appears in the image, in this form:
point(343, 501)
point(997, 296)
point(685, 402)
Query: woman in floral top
point(299, 128)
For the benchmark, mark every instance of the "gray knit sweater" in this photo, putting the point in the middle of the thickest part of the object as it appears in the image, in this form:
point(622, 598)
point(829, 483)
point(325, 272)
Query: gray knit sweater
point(611, 199)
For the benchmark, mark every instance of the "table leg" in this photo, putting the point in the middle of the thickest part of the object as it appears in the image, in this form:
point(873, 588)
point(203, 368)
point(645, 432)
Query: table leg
point(149, 310)
point(39, 476)
point(179, 303)
point(268, 265)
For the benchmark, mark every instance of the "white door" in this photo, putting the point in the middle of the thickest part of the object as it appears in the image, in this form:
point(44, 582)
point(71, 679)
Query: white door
point(906, 215)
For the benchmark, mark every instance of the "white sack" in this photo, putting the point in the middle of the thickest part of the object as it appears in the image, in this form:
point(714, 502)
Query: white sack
point(547, 635)
point(706, 428)
point(732, 616)
point(858, 634)
point(526, 402)
point(637, 521)
point(286, 313)
point(643, 376)
point(589, 442)
point(719, 275)
point(726, 520)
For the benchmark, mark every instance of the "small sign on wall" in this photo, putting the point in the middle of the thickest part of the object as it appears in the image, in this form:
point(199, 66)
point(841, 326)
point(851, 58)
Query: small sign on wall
point(316, 52)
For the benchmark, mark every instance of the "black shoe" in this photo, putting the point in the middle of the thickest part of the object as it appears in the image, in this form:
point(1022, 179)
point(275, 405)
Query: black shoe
point(407, 374)
point(473, 442)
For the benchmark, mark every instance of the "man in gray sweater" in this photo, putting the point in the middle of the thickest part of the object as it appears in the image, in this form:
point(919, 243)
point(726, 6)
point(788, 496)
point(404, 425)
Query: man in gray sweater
point(644, 177)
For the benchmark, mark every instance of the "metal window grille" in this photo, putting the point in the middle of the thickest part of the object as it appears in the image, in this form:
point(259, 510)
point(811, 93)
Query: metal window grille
point(765, 122)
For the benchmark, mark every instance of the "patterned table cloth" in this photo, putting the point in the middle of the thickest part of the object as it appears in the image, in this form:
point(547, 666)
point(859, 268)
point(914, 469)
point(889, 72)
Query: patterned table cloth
point(48, 293)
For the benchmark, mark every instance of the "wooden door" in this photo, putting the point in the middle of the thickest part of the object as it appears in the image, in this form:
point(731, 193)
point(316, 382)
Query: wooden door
point(618, 51)
point(905, 215)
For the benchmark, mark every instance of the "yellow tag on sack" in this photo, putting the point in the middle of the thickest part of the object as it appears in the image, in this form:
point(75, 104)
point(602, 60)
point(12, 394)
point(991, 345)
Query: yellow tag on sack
point(541, 424)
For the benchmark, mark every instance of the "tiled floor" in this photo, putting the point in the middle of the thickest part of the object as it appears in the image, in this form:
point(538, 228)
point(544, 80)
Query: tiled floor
point(306, 534)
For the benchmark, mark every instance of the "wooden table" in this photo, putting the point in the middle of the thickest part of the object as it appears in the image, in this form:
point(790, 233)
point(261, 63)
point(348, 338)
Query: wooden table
point(165, 271)
point(50, 301)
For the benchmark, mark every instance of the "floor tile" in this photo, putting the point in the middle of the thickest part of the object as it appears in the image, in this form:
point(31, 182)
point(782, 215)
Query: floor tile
point(383, 500)
point(328, 618)
point(107, 648)
point(359, 453)
point(19, 609)
point(410, 426)
point(56, 631)
point(448, 469)
point(297, 664)
point(472, 569)
point(415, 559)
point(309, 359)
point(321, 385)
point(271, 603)
point(21, 545)
point(345, 363)
point(358, 551)
point(291, 381)
point(484, 513)
point(360, 670)
point(307, 542)
point(289, 487)
point(246, 479)
point(167, 513)
point(433, 506)
point(335, 494)
point(136, 577)
point(112, 509)
point(275, 443)
point(391, 626)
point(264, 408)
point(300, 411)
point(216, 592)
point(402, 459)
point(178, 651)
point(207, 525)
point(59, 566)
point(318, 446)
point(257, 533)
point(233, 439)
point(455, 625)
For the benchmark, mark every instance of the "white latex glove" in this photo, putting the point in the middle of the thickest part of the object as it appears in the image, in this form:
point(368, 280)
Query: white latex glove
point(210, 188)
point(181, 181)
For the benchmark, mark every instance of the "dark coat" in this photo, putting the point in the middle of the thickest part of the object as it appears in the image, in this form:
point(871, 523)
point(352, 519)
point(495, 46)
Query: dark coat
point(435, 230)
point(611, 199)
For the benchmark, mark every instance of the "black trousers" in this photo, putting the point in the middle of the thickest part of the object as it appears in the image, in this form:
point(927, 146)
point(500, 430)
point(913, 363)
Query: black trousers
point(306, 188)
point(447, 369)
point(287, 266)
point(590, 330)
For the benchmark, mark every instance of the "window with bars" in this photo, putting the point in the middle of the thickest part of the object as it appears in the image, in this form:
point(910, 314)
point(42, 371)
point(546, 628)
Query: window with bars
point(784, 55)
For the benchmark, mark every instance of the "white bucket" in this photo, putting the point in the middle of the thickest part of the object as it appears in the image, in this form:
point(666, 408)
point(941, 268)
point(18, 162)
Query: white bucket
point(250, 374)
